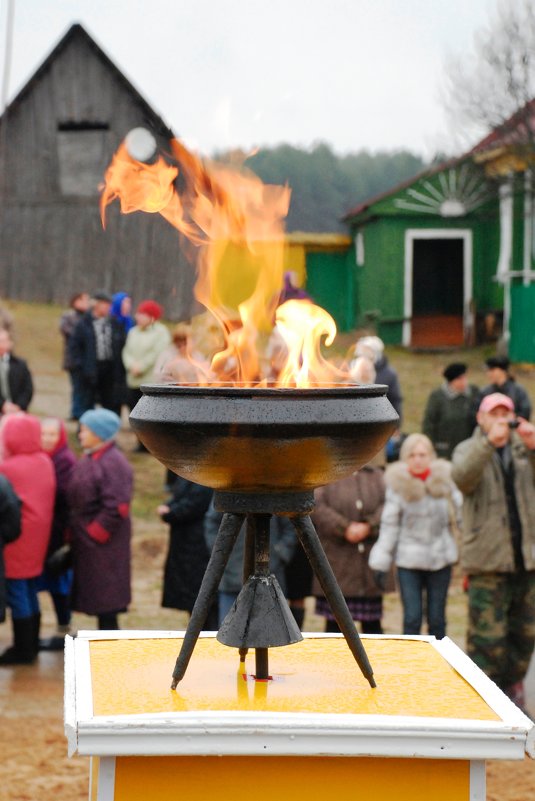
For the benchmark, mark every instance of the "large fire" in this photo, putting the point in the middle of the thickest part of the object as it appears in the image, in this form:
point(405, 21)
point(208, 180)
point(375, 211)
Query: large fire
point(229, 214)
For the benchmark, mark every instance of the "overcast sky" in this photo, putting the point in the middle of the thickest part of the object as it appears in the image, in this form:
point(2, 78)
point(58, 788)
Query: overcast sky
point(244, 73)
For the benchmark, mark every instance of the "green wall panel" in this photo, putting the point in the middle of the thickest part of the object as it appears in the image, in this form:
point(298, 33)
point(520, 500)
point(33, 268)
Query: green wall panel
point(380, 282)
point(522, 323)
point(330, 283)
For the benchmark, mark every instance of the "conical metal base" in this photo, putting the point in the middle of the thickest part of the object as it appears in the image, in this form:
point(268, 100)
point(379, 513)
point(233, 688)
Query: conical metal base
point(260, 617)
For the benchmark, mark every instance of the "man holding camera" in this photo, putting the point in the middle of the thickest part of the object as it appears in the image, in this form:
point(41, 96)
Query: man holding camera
point(495, 471)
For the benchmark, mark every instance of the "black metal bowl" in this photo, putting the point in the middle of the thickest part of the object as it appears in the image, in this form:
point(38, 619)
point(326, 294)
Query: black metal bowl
point(263, 440)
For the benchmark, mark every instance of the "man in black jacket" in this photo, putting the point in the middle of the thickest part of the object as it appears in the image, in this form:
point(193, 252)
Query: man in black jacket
point(16, 385)
point(500, 380)
point(94, 351)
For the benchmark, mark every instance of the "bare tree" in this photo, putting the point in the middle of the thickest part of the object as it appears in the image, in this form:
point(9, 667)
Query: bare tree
point(493, 88)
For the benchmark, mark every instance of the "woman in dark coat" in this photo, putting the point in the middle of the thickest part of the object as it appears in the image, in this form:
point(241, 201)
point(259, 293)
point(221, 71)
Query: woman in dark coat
point(188, 554)
point(99, 494)
point(347, 517)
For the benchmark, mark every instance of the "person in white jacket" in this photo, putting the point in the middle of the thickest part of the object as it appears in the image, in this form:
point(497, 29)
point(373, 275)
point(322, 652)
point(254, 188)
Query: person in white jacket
point(144, 343)
point(421, 514)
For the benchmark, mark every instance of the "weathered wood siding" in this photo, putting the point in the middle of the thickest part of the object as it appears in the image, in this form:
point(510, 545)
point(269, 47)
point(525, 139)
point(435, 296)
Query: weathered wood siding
point(51, 239)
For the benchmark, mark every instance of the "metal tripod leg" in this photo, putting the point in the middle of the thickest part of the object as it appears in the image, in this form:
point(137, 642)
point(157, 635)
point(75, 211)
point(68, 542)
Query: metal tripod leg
point(261, 568)
point(313, 548)
point(248, 561)
point(223, 545)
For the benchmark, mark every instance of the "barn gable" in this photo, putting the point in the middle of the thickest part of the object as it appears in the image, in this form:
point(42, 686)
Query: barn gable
point(58, 136)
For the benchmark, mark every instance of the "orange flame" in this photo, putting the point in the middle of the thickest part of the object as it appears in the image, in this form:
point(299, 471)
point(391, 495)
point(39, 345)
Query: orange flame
point(237, 223)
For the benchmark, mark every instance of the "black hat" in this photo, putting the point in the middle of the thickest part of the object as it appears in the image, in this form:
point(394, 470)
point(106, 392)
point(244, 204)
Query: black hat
point(454, 370)
point(498, 361)
point(101, 294)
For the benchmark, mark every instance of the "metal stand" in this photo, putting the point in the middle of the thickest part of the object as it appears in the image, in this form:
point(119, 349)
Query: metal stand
point(223, 545)
point(308, 537)
point(261, 618)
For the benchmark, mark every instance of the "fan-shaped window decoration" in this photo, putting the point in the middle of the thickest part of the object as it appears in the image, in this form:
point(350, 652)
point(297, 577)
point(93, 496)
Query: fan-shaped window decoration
point(451, 193)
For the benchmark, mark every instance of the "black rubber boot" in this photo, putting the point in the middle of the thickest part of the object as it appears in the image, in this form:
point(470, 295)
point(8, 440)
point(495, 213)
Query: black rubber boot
point(299, 614)
point(332, 627)
point(57, 642)
point(36, 629)
point(23, 651)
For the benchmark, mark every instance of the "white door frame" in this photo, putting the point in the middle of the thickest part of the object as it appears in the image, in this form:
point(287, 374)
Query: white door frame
point(436, 233)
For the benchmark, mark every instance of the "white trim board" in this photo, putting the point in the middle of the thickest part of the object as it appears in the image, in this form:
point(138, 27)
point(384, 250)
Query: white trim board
point(478, 781)
point(106, 779)
point(412, 234)
point(256, 732)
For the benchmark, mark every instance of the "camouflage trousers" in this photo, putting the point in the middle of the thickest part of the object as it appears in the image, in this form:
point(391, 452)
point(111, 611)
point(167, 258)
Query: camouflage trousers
point(501, 624)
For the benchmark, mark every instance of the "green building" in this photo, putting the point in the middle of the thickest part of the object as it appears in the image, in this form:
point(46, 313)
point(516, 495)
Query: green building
point(326, 263)
point(444, 256)
point(425, 256)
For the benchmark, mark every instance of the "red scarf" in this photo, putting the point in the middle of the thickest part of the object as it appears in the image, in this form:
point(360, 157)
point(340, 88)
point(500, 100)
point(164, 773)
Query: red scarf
point(422, 476)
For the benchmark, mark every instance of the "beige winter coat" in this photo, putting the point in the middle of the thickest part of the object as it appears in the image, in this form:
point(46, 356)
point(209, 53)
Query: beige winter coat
point(486, 543)
point(142, 348)
point(416, 524)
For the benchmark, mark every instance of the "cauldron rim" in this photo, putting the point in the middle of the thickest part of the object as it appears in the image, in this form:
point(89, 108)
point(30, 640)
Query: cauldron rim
point(222, 390)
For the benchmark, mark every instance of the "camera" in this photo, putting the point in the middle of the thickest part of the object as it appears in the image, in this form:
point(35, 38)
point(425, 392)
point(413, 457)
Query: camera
point(513, 423)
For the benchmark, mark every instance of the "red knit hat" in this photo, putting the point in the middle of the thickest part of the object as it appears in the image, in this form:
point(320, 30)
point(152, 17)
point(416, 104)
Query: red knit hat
point(151, 308)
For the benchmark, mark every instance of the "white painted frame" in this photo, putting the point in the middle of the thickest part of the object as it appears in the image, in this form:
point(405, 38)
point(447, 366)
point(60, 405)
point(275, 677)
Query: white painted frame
point(411, 234)
point(106, 779)
point(292, 734)
point(478, 781)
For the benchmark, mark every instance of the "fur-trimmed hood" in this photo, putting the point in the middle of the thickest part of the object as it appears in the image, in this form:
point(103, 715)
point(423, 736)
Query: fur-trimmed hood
point(438, 484)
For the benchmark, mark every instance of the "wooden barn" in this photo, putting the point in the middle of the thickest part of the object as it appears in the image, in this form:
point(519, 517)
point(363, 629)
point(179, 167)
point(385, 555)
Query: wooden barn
point(56, 139)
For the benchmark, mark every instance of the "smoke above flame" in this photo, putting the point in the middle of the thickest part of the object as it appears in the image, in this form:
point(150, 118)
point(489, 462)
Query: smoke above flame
point(231, 217)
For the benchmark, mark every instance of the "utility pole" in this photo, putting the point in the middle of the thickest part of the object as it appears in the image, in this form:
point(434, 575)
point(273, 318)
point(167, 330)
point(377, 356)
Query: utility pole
point(10, 17)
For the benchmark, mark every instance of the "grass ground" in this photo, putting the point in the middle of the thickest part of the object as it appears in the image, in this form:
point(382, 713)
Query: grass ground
point(34, 765)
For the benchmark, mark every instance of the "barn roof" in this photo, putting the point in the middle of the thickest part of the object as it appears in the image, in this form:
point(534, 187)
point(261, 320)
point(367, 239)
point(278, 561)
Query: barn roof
point(75, 32)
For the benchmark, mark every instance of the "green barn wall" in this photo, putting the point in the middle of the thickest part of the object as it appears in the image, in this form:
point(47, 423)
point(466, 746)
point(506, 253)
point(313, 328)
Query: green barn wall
point(487, 292)
point(522, 318)
point(331, 284)
point(380, 282)
point(522, 323)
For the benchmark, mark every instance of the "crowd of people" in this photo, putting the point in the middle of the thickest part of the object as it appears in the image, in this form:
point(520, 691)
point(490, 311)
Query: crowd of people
point(463, 488)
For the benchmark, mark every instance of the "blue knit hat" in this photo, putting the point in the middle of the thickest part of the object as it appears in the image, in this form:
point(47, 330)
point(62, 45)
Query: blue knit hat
point(102, 422)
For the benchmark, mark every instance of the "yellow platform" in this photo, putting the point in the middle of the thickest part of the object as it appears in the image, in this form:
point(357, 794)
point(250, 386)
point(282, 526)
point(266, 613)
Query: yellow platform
point(316, 730)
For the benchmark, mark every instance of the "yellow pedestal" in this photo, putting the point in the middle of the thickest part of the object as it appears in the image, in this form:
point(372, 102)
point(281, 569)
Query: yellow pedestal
point(315, 731)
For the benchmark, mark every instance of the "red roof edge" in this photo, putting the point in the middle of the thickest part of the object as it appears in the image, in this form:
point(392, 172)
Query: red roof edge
point(512, 131)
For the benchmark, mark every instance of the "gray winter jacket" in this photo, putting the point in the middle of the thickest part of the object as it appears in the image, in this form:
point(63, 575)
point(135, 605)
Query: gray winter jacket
point(487, 543)
point(416, 524)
